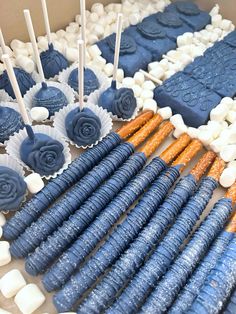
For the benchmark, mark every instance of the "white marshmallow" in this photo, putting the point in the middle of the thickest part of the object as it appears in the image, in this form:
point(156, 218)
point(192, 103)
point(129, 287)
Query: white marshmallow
point(71, 54)
point(94, 17)
point(112, 16)
point(43, 43)
point(205, 137)
point(128, 82)
point(2, 311)
point(215, 10)
point(216, 20)
point(165, 64)
point(61, 33)
point(139, 78)
point(139, 103)
point(193, 132)
point(226, 25)
point(217, 145)
point(149, 85)
point(150, 104)
point(179, 130)
point(5, 256)
point(219, 112)
point(29, 299)
point(232, 164)
point(134, 19)
point(2, 220)
point(168, 74)
point(229, 102)
point(99, 62)
point(34, 183)
point(146, 94)
point(117, 7)
point(120, 75)
point(228, 153)
point(92, 39)
point(165, 112)
point(39, 114)
point(108, 69)
point(177, 120)
point(137, 90)
point(231, 116)
point(11, 283)
point(227, 178)
point(94, 51)
point(16, 44)
point(21, 52)
point(98, 8)
point(99, 30)
point(26, 63)
point(214, 127)
point(158, 72)
point(153, 65)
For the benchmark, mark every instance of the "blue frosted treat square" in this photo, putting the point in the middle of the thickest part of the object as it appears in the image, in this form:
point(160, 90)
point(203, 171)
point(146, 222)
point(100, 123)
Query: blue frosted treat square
point(188, 97)
point(170, 22)
point(190, 14)
point(230, 39)
point(132, 56)
point(152, 37)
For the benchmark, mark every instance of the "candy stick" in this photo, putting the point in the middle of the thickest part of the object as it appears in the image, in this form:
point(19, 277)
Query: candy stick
point(77, 169)
point(2, 43)
point(88, 185)
point(117, 47)
point(81, 73)
point(83, 27)
point(46, 21)
point(151, 77)
point(168, 288)
point(31, 32)
point(57, 275)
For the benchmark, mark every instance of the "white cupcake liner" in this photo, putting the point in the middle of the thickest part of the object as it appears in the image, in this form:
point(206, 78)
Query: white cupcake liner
point(64, 76)
point(59, 122)
point(15, 141)
point(94, 97)
point(5, 97)
point(66, 89)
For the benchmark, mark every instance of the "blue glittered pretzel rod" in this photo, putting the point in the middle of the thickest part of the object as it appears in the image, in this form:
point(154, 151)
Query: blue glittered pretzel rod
point(168, 288)
point(126, 266)
point(231, 305)
point(76, 170)
point(60, 272)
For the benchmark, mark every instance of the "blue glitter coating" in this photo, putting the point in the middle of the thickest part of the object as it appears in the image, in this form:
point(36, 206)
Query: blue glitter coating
point(231, 306)
point(10, 122)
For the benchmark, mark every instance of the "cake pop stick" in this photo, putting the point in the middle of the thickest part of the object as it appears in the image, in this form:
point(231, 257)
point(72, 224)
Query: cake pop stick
point(81, 73)
point(83, 27)
point(151, 77)
point(46, 21)
point(77, 169)
point(117, 48)
point(2, 43)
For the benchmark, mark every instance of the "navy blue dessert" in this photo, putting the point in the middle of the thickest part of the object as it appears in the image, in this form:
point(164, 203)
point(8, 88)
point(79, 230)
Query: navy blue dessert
point(91, 82)
point(230, 39)
point(10, 122)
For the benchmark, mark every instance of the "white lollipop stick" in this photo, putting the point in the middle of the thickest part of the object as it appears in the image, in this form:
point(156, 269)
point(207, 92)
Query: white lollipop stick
point(46, 21)
point(83, 25)
point(2, 42)
point(117, 48)
point(31, 32)
point(7, 61)
point(81, 73)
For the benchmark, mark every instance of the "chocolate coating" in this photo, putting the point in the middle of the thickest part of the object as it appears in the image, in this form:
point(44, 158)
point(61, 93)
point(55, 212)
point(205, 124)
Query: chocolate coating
point(91, 82)
point(10, 122)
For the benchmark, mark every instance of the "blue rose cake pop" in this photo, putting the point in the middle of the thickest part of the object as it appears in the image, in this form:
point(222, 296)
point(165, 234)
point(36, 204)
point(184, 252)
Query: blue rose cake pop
point(83, 127)
point(10, 122)
point(120, 102)
point(24, 79)
point(12, 189)
point(91, 82)
point(51, 98)
point(53, 62)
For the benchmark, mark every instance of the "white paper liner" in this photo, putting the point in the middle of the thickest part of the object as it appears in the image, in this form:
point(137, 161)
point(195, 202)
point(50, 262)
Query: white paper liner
point(64, 76)
point(66, 89)
point(5, 97)
point(94, 97)
point(15, 141)
point(106, 122)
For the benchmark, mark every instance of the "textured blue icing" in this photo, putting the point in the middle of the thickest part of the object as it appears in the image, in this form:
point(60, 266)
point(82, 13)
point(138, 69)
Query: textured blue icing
point(23, 78)
point(91, 82)
point(152, 37)
point(230, 39)
point(120, 102)
point(51, 98)
point(188, 97)
point(53, 62)
point(42, 154)
point(129, 61)
point(83, 127)
point(10, 122)
point(12, 189)
point(190, 14)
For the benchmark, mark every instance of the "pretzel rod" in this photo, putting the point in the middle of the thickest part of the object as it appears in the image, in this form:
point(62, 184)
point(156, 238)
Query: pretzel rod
point(175, 148)
point(204, 162)
point(146, 130)
point(231, 193)
point(191, 150)
point(134, 125)
point(216, 169)
point(155, 141)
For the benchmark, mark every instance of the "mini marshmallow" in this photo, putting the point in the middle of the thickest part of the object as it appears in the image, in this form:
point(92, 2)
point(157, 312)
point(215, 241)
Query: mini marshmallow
point(219, 113)
point(39, 114)
point(205, 137)
point(146, 94)
point(193, 132)
point(94, 51)
point(34, 183)
point(165, 112)
point(2, 311)
point(228, 153)
point(8, 51)
point(168, 74)
point(232, 164)
point(139, 78)
point(120, 75)
point(139, 103)
point(134, 19)
point(158, 72)
point(1, 232)
point(71, 54)
point(99, 62)
point(128, 82)
point(16, 44)
point(11, 283)
point(227, 178)
point(164, 63)
point(177, 120)
point(216, 20)
point(99, 30)
point(108, 69)
point(5, 256)
point(21, 52)
point(231, 116)
point(153, 65)
point(226, 25)
point(149, 85)
point(43, 43)
point(137, 90)
point(179, 130)
point(26, 63)
point(227, 101)
point(61, 33)
point(92, 39)
point(2, 220)
point(215, 10)
point(150, 104)
point(217, 145)
point(98, 8)
point(29, 299)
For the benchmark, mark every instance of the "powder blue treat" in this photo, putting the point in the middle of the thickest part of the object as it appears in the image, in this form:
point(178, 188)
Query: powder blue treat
point(132, 56)
point(10, 122)
point(24, 79)
point(83, 127)
point(42, 154)
point(231, 306)
point(170, 22)
point(187, 96)
point(190, 14)
point(12, 189)
point(91, 82)
point(152, 37)
point(57, 186)
point(51, 98)
point(53, 62)
point(120, 102)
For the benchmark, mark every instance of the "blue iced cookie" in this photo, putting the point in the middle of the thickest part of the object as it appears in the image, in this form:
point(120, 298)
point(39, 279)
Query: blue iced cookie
point(51, 98)
point(53, 62)
point(24, 79)
point(91, 82)
point(170, 22)
point(133, 57)
point(83, 127)
point(190, 13)
point(10, 122)
point(42, 154)
point(188, 97)
point(12, 189)
point(120, 102)
point(152, 37)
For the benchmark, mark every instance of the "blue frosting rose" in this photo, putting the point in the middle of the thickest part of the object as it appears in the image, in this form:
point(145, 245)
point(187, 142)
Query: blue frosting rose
point(151, 30)
point(12, 189)
point(169, 19)
point(127, 44)
point(42, 154)
point(187, 8)
point(83, 127)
